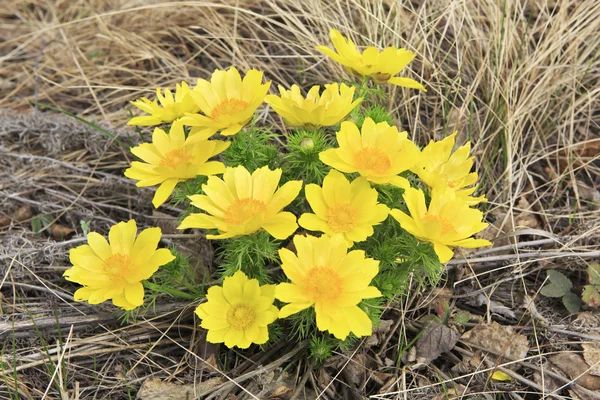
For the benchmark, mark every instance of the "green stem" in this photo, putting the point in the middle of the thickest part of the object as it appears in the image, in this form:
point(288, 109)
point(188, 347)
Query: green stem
point(169, 291)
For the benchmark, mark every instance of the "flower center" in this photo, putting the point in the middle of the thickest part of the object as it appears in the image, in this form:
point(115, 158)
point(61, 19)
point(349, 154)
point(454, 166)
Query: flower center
point(372, 159)
point(241, 316)
point(447, 227)
point(323, 283)
point(228, 107)
point(118, 266)
point(342, 218)
point(243, 210)
point(175, 158)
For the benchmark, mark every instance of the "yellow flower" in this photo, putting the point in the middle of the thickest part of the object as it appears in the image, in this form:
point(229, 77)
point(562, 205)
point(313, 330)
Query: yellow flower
point(115, 270)
point(238, 313)
point(448, 222)
point(227, 101)
point(241, 204)
point(381, 67)
point(343, 208)
point(439, 167)
point(329, 108)
point(379, 152)
point(170, 108)
point(171, 158)
point(326, 277)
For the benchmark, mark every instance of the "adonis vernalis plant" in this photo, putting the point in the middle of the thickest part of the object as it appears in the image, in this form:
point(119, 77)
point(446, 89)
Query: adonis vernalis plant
point(171, 158)
point(227, 101)
point(170, 108)
point(242, 203)
point(379, 66)
point(343, 208)
point(325, 276)
point(325, 109)
point(377, 151)
point(114, 270)
point(447, 222)
point(239, 312)
point(357, 169)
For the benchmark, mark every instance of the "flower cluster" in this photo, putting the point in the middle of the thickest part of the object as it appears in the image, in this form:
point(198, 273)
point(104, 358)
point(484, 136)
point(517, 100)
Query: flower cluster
point(332, 273)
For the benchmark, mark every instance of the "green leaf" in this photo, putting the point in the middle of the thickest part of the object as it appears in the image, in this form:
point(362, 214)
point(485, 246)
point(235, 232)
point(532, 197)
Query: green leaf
point(41, 222)
point(593, 271)
point(560, 280)
point(551, 290)
point(461, 317)
point(591, 296)
point(572, 302)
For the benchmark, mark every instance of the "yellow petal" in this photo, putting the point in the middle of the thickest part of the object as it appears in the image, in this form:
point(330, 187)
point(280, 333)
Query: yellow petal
point(164, 191)
point(134, 293)
point(293, 308)
point(443, 252)
point(406, 82)
point(99, 245)
point(281, 225)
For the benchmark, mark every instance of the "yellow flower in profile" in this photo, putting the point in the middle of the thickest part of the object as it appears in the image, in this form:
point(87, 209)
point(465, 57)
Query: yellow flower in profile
point(227, 101)
point(115, 269)
point(238, 313)
point(170, 107)
point(171, 158)
point(326, 109)
point(324, 276)
point(439, 167)
point(379, 152)
point(379, 66)
point(241, 204)
point(447, 223)
point(343, 208)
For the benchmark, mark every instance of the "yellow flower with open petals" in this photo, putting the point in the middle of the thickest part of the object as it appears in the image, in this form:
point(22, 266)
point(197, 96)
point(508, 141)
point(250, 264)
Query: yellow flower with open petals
point(238, 313)
point(326, 277)
point(171, 158)
point(326, 109)
point(241, 204)
point(115, 269)
point(227, 101)
point(448, 222)
point(439, 167)
point(379, 152)
point(379, 66)
point(170, 107)
point(343, 208)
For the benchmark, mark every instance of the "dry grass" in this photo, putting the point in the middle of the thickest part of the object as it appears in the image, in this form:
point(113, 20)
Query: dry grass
point(517, 78)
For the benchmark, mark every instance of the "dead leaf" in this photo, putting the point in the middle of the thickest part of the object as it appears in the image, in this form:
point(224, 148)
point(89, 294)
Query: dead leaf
point(167, 223)
point(578, 155)
point(586, 320)
point(577, 369)
point(60, 232)
point(379, 333)
point(4, 221)
point(155, 389)
point(547, 382)
point(591, 355)
point(588, 193)
point(525, 218)
point(494, 306)
point(281, 392)
point(23, 213)
point(436, 339)
point(358, 368)
point(498, 339)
